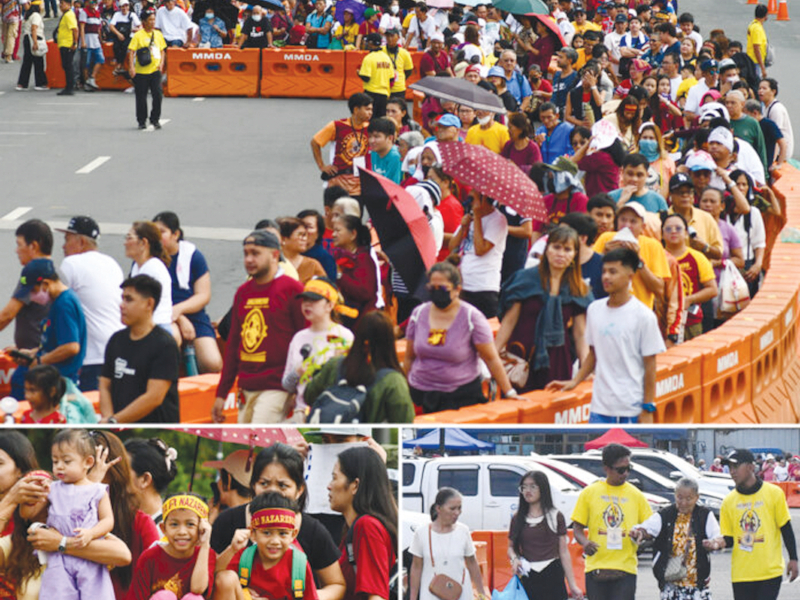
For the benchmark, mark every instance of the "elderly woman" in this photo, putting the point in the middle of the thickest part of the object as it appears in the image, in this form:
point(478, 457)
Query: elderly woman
point(683, 533)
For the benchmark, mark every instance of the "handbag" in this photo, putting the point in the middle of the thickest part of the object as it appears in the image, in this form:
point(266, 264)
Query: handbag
point(734, 294)
point(769, 59)
point(516, 368)
point(676, 568)
point(143, 55)
point(514, 590)
point(442, 586)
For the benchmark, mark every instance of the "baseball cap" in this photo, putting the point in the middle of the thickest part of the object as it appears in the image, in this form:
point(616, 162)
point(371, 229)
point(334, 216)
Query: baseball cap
point(679, 180)
point(714, 110)
point(370, 12)
point(263, 238)
point(722, 136)
point(448, 120)
point(621, 18)
point(83, 225)
point(707, 65)
point(239, 464)
point(727, 63)
point(496, 72)
point(701, 161)
point(739, 457)
point(374, 39)
point(392, 31)
point(35, 272)
point(578, 9)
point(635, 207)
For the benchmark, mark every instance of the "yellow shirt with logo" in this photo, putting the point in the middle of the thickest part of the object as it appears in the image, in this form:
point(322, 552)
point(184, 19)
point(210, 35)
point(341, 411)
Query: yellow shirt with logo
point(754, 522)
point(653, 256)
point(68, 23)
point(380, 71)
point(607, 511)
point(143, 39)
point(401, 63)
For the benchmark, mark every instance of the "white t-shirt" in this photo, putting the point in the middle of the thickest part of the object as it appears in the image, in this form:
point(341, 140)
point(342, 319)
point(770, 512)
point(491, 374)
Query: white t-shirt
point(777, 112)
point(158, 271)
point(621, 337)
point(696, 93)
point(748, 161)
point(449, 551)
point(428, 29)
point(674, 84)
point(612, 41)
point(173, 24)
point(95, 278)
point(389, 21)
point(781, 473)
point(482, 273)
point(758, 233)
point(130, 18)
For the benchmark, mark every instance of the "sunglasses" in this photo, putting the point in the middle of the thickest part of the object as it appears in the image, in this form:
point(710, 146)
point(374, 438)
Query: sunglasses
point(622, 470)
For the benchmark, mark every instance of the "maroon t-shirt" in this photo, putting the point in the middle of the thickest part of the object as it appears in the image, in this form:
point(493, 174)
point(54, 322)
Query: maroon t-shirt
point(526, 157)
point(275, 583)
point(156, 570)
point(602, 173)
point(557, 209)
point(264, 320)
point(145, 533)
point(429, 63)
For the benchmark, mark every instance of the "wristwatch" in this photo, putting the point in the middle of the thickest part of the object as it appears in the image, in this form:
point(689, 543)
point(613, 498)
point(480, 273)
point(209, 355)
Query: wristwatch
point(112, 419)
point(640, 266)
point(62, 545)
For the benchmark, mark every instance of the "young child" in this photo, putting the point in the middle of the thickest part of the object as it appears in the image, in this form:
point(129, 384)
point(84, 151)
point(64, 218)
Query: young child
point(274, 568)
point(384, 155)
point(80, 510)
point(323, 340)
point(181, 567)
point(44, 388)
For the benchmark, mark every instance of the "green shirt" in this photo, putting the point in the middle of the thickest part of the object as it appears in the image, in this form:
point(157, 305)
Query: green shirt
point(388, 401)
point(748, 129)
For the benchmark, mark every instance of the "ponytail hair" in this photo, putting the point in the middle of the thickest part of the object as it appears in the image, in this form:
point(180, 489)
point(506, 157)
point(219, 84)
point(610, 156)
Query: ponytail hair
point(363, 237)
point(169, 220)
point(443, 495)
point(147, 230)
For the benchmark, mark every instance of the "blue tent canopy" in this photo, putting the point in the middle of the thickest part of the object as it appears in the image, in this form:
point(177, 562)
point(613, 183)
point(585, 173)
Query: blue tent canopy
point(454, 439)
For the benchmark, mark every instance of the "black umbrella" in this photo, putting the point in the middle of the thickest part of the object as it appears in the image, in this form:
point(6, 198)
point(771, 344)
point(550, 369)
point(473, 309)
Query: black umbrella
point(460, 91)
point(268, 4)
point(402, 227)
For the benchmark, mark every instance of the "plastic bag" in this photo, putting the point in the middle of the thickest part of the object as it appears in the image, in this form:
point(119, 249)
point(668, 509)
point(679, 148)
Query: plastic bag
point(734, 295)
point(76, 407)
point(513, 591)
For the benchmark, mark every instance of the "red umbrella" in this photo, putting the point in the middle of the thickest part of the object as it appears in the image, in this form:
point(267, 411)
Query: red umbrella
point(551, 24)
point(402, 227)
point(493, 176)
point(614, 436)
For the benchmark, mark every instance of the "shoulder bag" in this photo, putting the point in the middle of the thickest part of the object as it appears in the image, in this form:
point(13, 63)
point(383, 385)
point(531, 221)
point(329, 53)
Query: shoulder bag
point(676, 568)
point(143, 55)
point(442, 586)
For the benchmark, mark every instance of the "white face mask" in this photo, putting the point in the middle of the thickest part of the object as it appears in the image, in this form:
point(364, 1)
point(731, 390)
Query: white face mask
point(394, 8)
point(256, 18)
point(733, 79)
point(485, 120)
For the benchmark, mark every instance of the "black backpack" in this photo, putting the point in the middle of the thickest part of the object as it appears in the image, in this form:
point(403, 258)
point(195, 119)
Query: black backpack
point(342, 402)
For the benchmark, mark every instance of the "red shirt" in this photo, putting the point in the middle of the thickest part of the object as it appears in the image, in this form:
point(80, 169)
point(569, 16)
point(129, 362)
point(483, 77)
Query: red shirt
point(144, 535)
point(263, 322)
point(366, 27)
point(452, 212)
point(557, 209)
point(529, 155)
point(157, 570)
point(275, 583)
point(358, 280)
point(374, 556)
point(54, 418)
point(429, 63)
point(602, 173)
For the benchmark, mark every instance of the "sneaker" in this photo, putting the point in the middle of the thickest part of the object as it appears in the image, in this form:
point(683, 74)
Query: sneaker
point(156, 125)
point(66, 93)
point(41, 89)
point(90, 83)
point(120, 71)
point(142, 126)
point(129, 90)
point(19, 88)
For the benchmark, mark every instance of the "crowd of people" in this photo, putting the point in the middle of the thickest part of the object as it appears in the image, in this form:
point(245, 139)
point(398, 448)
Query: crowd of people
point(652, 144)
point(611, 521)
point(769, 467)
point(101, 525)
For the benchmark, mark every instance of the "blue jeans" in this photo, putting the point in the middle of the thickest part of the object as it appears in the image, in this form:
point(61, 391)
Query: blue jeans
point(18, 382)
point(597, 418)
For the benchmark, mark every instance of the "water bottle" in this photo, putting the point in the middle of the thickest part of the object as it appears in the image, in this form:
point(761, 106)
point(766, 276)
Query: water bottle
point(9, 405)
point(190, 360)
point(41, 554)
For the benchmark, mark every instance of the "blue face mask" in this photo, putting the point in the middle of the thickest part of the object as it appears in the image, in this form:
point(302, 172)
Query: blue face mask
point(650, 149)
point(210, 16)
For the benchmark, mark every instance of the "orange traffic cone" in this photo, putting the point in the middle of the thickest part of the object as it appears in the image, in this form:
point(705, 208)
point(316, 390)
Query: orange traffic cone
point(772, 7)
point(783, 11)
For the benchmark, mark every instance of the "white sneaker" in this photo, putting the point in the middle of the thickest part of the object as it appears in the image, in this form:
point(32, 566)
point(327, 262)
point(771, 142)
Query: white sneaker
point(91, 83)
point(129, 90)
point(41, 89)
point(19, 88)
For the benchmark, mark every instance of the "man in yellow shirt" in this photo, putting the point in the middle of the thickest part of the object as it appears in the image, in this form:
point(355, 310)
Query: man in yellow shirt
point(378, 74)
point(602, 520)
point(654, 268)
point(488, 132)
point(67, 39)
point(401, 61)
point(581, 23)
point(757, 41)
point(753, 519)
point(145, 66)
point(704, 234)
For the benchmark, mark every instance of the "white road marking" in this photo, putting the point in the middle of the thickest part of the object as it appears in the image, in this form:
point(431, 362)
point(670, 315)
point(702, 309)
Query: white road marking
point(224, 234)
point(163, 122)
point(198, 99)
point(66, 104)
point(22, 133)
point(30, 123)
point(93, 165)
point(16, 213)
point(1, 93)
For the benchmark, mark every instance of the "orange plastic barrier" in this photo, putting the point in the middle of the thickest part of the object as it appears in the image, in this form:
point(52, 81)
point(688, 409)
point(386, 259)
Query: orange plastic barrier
point(792, 491)
point(352, 63)
point(213, 72)
point(416, 57)
point(678, 391)
point(486, 539)
point(52, 67)
point(302, 73)
point(197, 395)
point(481, 549)
point(7, 367)
point(106, 80)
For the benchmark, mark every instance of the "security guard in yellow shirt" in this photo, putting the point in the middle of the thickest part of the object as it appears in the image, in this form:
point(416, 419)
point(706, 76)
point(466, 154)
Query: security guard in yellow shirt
point(377, 72)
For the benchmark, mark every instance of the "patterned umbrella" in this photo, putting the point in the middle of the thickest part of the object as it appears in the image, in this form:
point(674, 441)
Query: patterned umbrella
point(246, 436)
point(493, 176)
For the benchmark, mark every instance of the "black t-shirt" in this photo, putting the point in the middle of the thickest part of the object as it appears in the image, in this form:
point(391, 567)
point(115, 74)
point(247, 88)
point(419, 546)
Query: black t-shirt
point(256, 32)
point(131, 364)
point(313, 537)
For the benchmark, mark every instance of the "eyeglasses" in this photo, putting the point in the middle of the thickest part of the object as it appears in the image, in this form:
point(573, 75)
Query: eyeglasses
point(527, 488)
point(675, 229)
point(622, 470)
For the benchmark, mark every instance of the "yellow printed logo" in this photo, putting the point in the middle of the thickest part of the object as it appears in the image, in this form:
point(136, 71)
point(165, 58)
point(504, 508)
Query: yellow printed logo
point(254, 330)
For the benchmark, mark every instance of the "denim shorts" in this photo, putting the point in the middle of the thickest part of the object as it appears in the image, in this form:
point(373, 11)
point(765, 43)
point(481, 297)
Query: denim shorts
point(94, 56)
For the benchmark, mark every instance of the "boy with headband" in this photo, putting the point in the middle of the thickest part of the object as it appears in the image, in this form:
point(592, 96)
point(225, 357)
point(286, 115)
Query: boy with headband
point(181, 565)
point(274, 567)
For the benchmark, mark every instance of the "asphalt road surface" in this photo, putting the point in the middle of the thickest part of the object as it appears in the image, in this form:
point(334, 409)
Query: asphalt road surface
point(220, 163)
